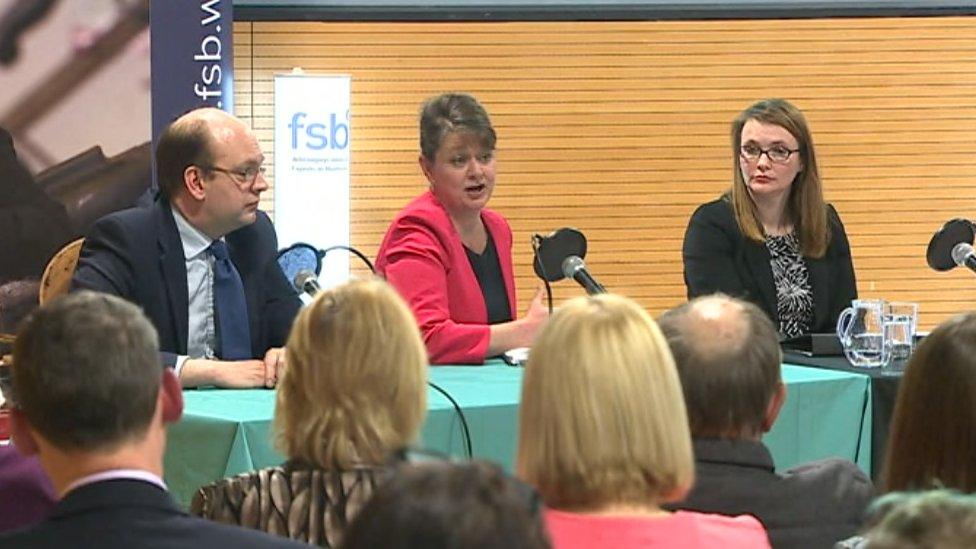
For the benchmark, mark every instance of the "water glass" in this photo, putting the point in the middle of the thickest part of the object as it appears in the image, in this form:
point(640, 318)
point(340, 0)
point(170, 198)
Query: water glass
point(898, 336)
point(901, 321)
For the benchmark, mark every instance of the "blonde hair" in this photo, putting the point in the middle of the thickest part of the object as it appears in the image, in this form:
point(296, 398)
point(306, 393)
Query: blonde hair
point(602, 420)
point(805, 206)
point(354, 388)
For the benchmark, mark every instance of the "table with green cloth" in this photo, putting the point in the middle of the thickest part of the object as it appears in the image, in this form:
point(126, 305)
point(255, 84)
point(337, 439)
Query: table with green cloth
point(224, 432)
point(884, 393)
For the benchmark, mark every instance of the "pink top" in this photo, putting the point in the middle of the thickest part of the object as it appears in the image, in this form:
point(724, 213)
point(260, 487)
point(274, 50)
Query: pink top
point(423, 258)
point(681, 529)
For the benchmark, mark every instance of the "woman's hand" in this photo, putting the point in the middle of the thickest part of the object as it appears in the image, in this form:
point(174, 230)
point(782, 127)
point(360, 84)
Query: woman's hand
point(521, 332)
point(535, 318)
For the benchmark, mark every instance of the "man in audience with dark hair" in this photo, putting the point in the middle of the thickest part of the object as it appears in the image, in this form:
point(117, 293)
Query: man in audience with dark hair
point(201, 261)
point(728, 358)
point(441, 505)
point(92, 400)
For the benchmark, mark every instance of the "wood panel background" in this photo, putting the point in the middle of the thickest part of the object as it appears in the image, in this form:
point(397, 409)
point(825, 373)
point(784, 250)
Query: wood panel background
point(621, 129)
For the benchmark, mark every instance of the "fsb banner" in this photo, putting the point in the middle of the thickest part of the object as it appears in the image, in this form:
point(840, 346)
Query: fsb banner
point(192, 58)
point(311, 166)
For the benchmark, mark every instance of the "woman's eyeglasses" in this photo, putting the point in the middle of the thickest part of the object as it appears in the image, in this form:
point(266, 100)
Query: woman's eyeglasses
point(776, 153)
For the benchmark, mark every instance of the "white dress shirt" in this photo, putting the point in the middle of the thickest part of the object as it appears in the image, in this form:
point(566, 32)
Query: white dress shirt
point(201, 341)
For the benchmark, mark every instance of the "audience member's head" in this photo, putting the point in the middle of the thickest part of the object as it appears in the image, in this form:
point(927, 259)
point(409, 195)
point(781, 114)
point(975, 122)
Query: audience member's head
point(449, 506)
point(932, 442)
point(87, 381)
point(355, 386)
point(942, 519)
point(17, 299)
point(728, 357)
point(602, 421)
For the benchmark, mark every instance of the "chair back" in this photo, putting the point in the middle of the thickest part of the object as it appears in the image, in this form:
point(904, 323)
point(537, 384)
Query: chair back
point(56, 279)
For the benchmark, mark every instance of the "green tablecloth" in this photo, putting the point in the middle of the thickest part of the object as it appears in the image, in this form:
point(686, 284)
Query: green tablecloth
point(224, 432)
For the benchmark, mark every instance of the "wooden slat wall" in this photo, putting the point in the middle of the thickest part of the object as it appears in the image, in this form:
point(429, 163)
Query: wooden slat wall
point(621, 129)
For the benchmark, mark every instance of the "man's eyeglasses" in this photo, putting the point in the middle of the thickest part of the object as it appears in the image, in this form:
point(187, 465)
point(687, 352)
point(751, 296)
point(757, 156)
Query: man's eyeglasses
point(245, 177)
point(776, 153)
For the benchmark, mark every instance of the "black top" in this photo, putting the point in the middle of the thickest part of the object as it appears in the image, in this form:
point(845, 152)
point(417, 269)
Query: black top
point(794, 298)
point(811, 505)
point(718, 258)
point(488, 271)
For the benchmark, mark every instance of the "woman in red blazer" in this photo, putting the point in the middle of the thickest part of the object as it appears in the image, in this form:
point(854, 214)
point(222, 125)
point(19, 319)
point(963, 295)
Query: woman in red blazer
point(448, 255)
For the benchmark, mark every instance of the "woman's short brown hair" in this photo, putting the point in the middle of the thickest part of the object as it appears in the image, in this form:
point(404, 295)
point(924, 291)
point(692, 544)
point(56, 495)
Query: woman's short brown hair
point(805, 206)
point(933, 429)
point(449, 113)
point(602, 419)
point(354, 387)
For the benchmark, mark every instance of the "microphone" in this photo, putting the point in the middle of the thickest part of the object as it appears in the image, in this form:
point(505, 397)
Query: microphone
point(574, 267)
point(551, 250)
point(306, 281)
point(941, 253)
point(964, 255)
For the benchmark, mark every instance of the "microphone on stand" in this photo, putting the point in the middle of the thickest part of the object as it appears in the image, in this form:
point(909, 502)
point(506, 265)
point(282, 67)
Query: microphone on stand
point(552, 249)
point(575, 268)
point(942, 250)
point(964, 255)
point(560, 255)
point(306, 281)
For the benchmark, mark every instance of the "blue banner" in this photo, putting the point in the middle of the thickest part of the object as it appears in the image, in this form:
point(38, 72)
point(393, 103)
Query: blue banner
point(192, 58)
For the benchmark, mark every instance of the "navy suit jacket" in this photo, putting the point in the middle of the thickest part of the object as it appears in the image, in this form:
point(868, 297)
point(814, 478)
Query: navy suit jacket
point(137, 254)
point(127, 513)
point(719, 258)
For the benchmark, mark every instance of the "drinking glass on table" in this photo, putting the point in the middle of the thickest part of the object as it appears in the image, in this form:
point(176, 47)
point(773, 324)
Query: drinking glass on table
point(901, 321)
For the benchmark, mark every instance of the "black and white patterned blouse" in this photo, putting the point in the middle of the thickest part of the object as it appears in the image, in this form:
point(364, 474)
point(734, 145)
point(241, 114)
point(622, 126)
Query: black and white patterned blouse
point(794, 298)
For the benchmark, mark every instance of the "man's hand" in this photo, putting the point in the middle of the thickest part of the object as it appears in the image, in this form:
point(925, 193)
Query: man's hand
point(274, 366)
point(229, 374)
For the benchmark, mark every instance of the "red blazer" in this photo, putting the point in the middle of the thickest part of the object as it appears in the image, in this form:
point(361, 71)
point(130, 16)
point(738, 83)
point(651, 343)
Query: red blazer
point(423, 258)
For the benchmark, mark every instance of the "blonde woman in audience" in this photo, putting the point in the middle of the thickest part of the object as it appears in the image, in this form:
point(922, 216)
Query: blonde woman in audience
point(353, 395)
point(604, 437)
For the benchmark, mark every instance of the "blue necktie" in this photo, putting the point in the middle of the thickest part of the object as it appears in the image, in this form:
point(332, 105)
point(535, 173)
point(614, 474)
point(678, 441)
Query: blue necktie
point(235, 336)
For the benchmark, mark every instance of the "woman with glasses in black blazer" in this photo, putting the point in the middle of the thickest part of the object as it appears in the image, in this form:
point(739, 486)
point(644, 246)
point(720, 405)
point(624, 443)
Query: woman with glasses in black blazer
point(772, 239)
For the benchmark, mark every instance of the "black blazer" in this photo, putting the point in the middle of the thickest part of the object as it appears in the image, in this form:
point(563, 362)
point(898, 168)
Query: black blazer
point(137, 254)
point(811, 506)
point(131, 513)
point(718, 258)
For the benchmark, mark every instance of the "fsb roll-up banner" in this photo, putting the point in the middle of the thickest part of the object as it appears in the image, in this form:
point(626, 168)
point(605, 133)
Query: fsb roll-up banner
point(311, 166)
point(191, 58)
